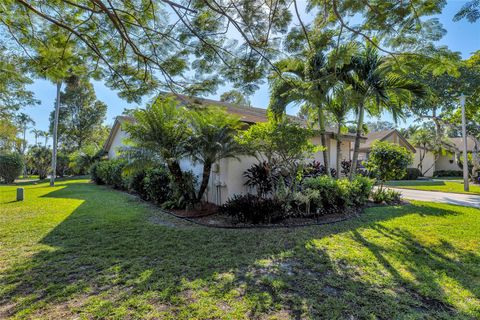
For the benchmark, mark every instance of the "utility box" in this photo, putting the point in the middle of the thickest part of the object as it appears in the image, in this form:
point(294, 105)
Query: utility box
point(20, 194)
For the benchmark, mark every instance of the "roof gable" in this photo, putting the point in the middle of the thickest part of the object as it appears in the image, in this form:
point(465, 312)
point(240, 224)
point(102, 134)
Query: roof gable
point(382, 136)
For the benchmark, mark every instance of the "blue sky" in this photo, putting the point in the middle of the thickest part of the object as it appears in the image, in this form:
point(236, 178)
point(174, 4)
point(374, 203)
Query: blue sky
point(461, 36)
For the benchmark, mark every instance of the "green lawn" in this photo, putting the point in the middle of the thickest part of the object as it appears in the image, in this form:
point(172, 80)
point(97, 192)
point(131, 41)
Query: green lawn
point(435, 185)
point(84, 251)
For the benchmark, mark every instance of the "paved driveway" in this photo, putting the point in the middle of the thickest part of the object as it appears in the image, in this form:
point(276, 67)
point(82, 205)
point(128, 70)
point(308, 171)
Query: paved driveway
point(467, 200)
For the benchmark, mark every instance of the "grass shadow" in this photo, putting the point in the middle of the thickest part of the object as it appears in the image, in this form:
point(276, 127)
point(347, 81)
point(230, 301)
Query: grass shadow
point(107, 260)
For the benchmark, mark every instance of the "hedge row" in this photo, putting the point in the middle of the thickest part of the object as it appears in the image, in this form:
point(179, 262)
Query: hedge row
point(153, 184)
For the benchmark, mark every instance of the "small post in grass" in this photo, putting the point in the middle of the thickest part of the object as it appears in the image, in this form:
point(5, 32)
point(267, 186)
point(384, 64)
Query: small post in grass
point(20, 194)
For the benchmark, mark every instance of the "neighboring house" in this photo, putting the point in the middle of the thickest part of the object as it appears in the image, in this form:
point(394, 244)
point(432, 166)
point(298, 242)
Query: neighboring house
point(394, 136)
point(445, 161)
point(448, 160)
point(227, 176)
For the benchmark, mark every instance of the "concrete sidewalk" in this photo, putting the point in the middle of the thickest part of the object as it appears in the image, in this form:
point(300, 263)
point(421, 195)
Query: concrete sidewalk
point(468, 200)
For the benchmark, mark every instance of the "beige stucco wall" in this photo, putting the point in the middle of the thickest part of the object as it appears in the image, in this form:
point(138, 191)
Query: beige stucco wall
point(443, 162)
point(117, 142)
point(332, 151)
point(428, 162)
point(226, 178)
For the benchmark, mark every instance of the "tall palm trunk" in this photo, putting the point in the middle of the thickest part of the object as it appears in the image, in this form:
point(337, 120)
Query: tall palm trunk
point(339, 149)
point(323, 139)
point(55, 136)
point(207, 167)
point(358, 136)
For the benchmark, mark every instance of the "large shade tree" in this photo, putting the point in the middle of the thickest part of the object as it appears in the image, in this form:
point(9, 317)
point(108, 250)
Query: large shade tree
point(139, 46)
point(80, 116)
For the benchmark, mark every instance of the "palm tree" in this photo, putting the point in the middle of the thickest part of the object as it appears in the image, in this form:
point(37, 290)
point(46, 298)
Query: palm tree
point(166, 133)
point(339, 106)
point(160, 135)
point(213, 139)
point(304, 80)
point(23, 120)
point(46, 135)
point(379, 89)
point(36, 133)
point(424, 140)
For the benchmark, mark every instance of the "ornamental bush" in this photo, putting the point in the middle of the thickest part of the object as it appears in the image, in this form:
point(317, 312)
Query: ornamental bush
point(448, 173)
point(11, 165)
point(335, 196)
point(332, 196)
point(40, 160)
point(388, 161)
point(254, 209)
point(412, 174)
point(109, 172)
point(157, 185)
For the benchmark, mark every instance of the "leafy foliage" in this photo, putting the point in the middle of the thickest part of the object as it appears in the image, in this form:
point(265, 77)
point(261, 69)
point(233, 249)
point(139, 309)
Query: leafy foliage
point(39, 158)
point(412, 174)
point(235, 97)
point(11, 165)
point(388, 196)
point(316, 168)
point(447, 173)
point(280, 140)
point(263, 177)
point(80, 115)
point(157, 185)
point(110, 172)
point(253, 209)
point(388, 161)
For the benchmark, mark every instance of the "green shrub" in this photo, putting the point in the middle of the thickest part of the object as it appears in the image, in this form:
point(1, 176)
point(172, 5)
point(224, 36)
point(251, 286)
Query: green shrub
point(110, 172)
point(359, 190)
point(136, 183)
point(253, 209)
point(40, 160)
point(332, 196)
point(157, 186)
point(388, 196)
point(94, 173)
point(388, 161)
point(448, 173)
point(412, 174)
point(63, 165)
point(11, 165)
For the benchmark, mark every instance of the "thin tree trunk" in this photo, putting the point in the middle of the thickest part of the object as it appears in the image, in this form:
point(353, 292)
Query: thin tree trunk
point(207, 167)
point(23, 150)
point(323, 138)
point(339, 149)
point(55, 136)
point(358, 136)
point(176, 171)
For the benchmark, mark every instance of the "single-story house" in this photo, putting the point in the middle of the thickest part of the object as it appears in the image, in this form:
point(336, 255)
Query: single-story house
point(445, 161)
point(448, 160)
point(394, 136)
point(227, 176)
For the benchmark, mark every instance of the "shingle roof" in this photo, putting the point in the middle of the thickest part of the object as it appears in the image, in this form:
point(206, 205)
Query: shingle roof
point(246, 114)
point(382, 135)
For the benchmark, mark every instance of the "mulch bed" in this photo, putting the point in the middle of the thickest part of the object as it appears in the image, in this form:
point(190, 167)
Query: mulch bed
point(204, 210)
point(208, 216)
